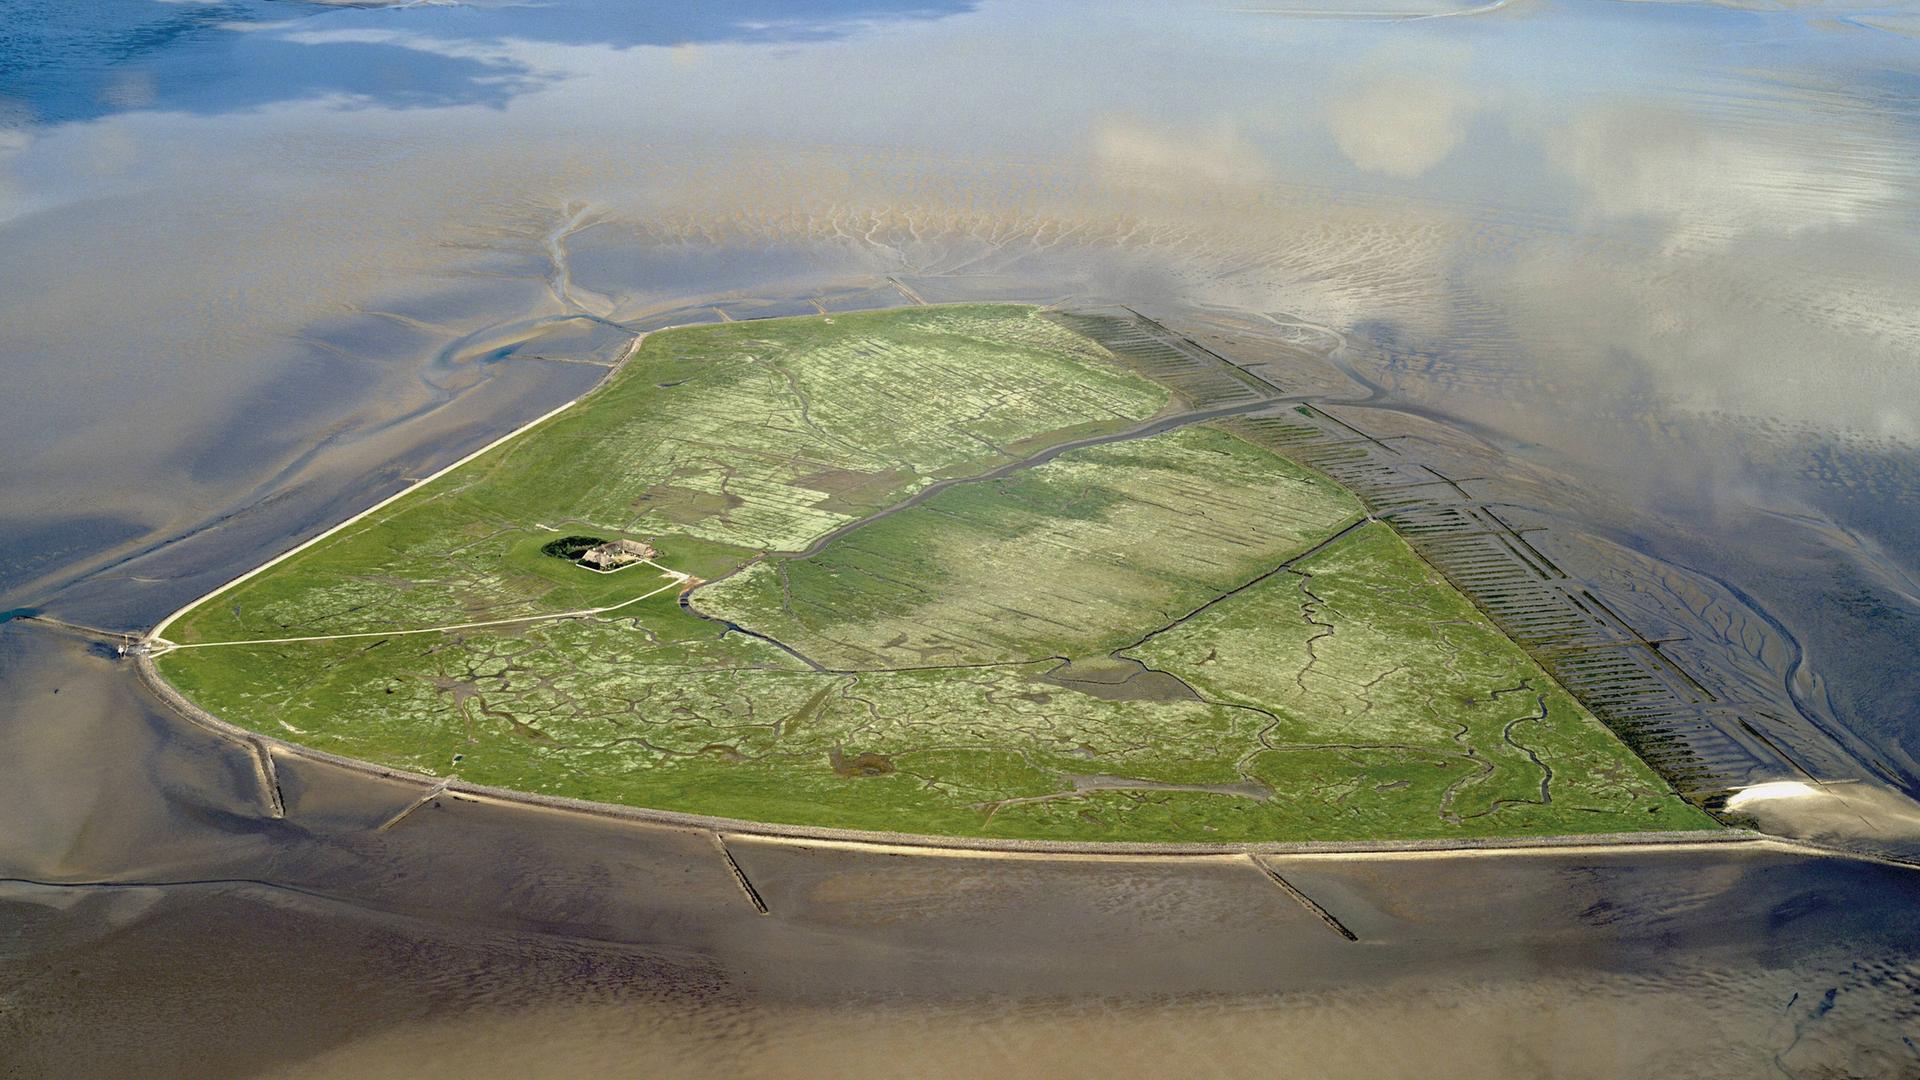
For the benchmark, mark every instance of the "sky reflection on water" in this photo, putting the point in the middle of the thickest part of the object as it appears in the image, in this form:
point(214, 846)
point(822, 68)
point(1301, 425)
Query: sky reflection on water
point(62, 62)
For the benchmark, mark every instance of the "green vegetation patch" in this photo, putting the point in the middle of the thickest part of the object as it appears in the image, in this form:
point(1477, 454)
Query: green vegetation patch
point(746, 437)
point(1175, 636)
point(1361, 650)
point(1074, 557)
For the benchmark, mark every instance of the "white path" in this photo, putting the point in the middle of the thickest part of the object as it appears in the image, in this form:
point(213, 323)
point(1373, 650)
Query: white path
point(158, 646)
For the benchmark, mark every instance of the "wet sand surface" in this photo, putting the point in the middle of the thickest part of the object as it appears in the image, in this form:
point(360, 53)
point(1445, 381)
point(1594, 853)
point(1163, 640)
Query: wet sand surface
point(262, 263)
point(474, 938)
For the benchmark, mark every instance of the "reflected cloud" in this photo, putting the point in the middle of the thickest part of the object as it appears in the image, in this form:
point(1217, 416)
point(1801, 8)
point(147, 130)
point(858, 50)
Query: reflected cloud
point(1404, 11)
point(1806, 331)
point(81, 61)
point(1401, 125)
point(1133, 154)
point(1713, 184)
point(85, 63)
point(15, 138)
point(1749, 256)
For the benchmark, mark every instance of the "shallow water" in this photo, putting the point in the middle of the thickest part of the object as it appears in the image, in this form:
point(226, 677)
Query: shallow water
point(1646, 268)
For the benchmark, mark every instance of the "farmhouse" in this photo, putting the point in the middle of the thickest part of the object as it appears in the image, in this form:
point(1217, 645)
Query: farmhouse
point(617, 553)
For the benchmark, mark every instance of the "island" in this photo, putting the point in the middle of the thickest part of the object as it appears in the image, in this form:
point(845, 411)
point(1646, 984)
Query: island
point(946, 571)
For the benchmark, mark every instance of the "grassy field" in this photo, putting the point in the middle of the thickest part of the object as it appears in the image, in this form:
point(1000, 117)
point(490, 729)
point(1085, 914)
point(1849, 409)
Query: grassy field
point(1076, 557)
point(716, 443)
point(1180, 636)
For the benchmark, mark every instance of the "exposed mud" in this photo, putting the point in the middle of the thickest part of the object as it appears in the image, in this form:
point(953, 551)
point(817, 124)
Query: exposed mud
point(1115, 678)
point(848, 766)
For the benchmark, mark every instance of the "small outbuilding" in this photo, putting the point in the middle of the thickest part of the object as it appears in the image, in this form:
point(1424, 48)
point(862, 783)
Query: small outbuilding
point(615, 554)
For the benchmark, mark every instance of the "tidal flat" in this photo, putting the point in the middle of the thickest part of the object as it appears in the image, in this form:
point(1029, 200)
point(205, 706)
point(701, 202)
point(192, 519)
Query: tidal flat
point(1607, 307)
